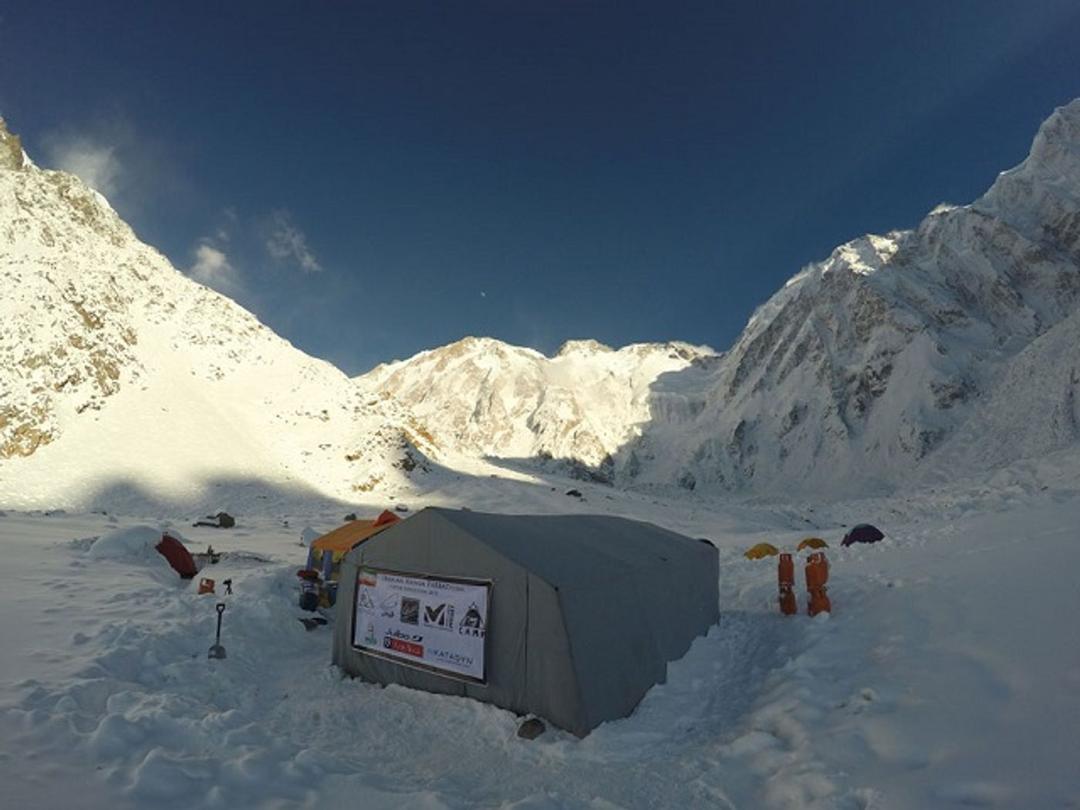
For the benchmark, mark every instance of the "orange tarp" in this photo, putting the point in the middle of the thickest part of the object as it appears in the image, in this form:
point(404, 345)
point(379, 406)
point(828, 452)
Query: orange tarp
point(344, 538)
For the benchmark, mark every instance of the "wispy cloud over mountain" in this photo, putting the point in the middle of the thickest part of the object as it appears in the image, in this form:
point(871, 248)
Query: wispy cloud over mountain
point(287, 243)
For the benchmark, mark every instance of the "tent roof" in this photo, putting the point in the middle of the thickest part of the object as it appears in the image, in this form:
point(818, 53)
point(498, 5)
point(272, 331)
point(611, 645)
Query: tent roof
point(573, 550)
point(348, 536)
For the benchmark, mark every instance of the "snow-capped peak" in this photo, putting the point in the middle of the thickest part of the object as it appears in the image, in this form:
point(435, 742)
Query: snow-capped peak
point(120, 376)
point(864, 364)
point(587, 346)
point(1055, 151)
point(482, 397)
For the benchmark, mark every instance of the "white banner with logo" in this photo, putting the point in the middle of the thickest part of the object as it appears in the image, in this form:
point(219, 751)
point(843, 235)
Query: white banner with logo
point(431, 622)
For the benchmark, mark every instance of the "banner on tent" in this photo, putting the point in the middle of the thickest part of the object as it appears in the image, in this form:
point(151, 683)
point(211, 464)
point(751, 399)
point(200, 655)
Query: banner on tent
point(434, 623)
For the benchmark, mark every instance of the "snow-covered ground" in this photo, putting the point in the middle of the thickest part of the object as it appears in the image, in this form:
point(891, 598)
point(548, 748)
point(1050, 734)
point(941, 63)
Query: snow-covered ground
point(947, 675)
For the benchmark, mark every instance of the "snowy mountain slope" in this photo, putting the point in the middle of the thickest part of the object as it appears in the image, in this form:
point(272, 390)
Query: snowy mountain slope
point(482, 397)
point(115, 367)
point(864, 364)
point(1032, 410)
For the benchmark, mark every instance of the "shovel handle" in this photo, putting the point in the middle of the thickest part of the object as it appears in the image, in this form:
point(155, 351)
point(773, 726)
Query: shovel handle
point(220, 609)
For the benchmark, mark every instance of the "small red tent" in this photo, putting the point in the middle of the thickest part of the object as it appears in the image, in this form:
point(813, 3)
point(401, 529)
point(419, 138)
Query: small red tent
point(178, 556)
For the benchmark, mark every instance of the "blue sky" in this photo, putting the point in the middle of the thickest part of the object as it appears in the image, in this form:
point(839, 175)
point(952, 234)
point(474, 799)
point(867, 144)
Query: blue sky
point(376, 179)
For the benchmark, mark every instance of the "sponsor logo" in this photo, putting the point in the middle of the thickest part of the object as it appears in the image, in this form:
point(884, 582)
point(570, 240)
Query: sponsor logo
point(406, 647)
point(410, 610)
point(366, 578)
point(441, 616)
point(404, 636)
point(471, 623)
point(370, 637)
point(452, 658)
point(364, 600)
point(389, 606)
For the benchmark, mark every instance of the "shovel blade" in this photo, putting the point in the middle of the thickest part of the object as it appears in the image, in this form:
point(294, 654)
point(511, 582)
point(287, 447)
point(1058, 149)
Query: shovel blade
point(217, 651)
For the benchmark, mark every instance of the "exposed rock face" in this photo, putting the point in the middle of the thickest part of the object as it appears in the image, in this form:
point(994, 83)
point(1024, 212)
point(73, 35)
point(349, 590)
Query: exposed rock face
point(11, 151)
point(68, 337)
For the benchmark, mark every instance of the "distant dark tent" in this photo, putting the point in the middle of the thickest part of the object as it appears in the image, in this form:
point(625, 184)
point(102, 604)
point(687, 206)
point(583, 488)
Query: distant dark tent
point(222, 520)
point(863, 533)
point(178, 556)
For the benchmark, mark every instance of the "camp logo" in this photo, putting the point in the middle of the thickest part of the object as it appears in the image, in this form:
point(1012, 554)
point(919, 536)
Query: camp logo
point(472, 624)
point(410, 610)
point(389, 606)
point(441, 616)
point(365, 600)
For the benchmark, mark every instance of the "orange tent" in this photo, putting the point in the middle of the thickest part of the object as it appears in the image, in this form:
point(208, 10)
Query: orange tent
point(812, 542)
point(345, 538)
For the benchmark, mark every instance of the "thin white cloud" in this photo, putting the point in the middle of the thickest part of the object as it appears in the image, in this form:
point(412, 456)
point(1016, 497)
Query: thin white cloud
point(134, 168)
point(211, 265)
point(92, 162)
point(286, 242)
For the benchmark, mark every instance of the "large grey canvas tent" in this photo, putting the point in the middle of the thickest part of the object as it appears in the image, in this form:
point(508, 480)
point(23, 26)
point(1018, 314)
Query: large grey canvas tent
point(569, 617)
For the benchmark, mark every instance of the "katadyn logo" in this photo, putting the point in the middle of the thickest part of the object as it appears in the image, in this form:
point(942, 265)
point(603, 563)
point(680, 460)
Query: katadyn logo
point(410, 610)
point(472, 624)
point(441, 616)
point(450, 657)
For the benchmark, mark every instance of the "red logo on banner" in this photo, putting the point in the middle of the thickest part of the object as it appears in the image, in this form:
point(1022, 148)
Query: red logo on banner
point(407, 647)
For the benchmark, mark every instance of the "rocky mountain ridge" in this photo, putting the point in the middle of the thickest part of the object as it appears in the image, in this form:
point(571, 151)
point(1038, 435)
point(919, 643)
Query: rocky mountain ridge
point(863, 365)
point(875, 368)
point(118, 370)
point(849, 379)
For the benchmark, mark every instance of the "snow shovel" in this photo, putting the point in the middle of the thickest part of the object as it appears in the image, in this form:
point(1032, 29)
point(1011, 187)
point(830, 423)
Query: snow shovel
point(217, 651)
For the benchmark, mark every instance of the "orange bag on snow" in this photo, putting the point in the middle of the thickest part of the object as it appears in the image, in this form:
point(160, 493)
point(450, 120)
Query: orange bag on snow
point(817, 575)
point(786, 580)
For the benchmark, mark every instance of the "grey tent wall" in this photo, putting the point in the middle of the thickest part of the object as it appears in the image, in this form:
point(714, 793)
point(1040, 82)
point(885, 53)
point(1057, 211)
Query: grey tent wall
point(552, 686)
point(343, 615)
point(657, 617)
